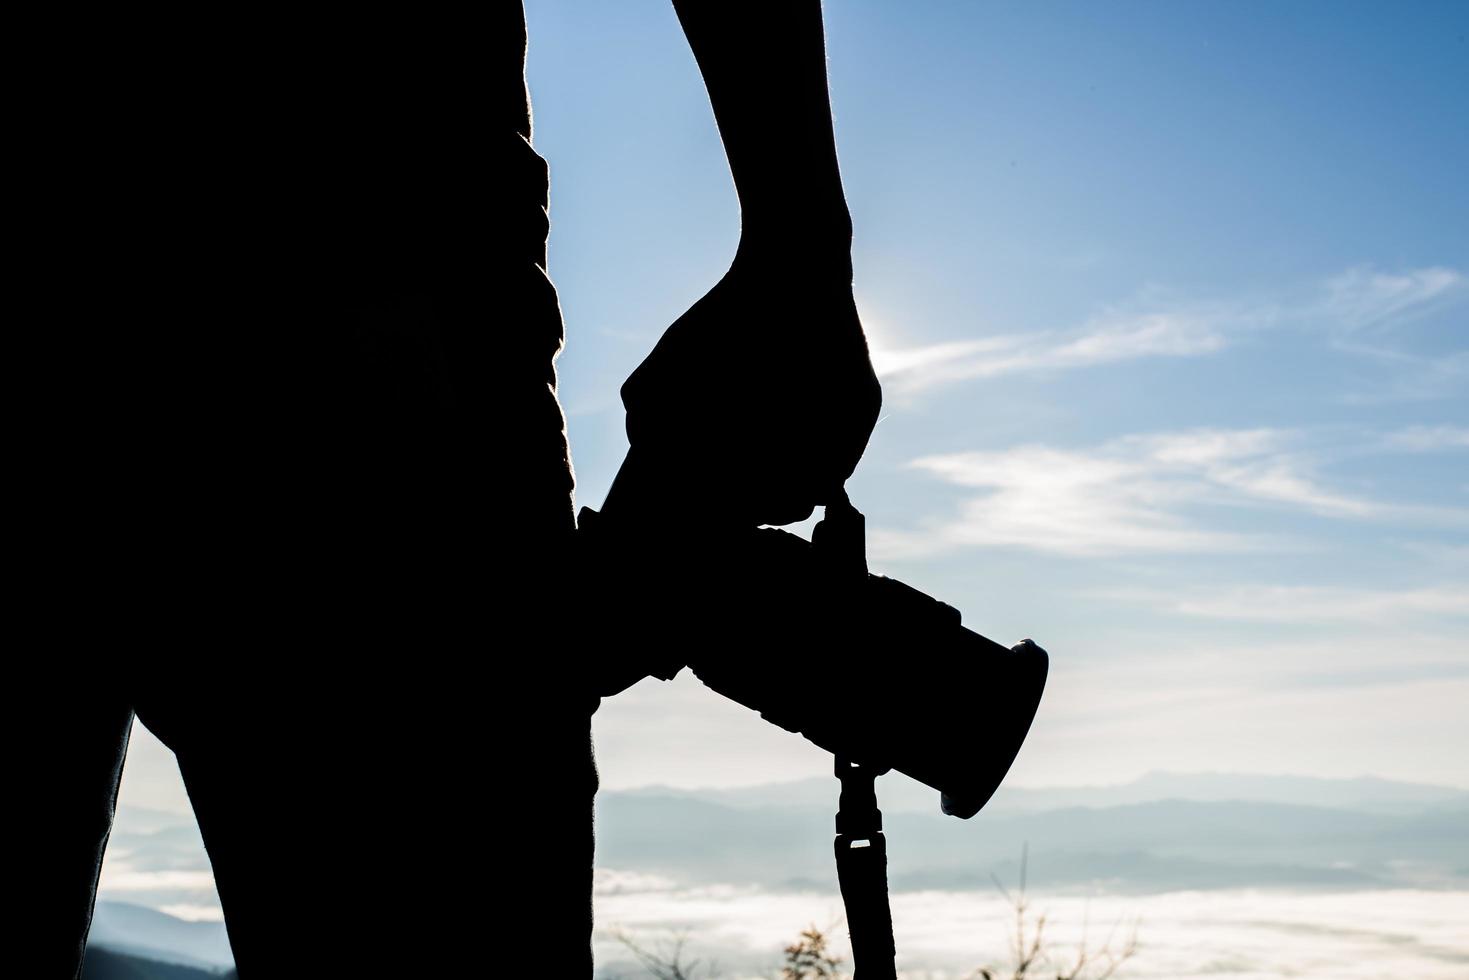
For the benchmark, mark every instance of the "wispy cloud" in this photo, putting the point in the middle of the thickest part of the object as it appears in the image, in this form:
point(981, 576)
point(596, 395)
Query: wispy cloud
point(194, 912)
point(610, 881)
point(1364, 297)
point(1309, 604)
point(1406, 377)
point(1429, 438)
point(1252, 465)
point(1136, 494)
point(1104, 340)
point(1439, 552)
point(1346, 305)
point(122, 879)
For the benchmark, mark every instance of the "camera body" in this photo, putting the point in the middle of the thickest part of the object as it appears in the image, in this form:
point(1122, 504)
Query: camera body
point(868, 668)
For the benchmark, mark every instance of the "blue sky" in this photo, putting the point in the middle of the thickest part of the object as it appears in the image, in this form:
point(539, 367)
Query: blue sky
point(1171, 304)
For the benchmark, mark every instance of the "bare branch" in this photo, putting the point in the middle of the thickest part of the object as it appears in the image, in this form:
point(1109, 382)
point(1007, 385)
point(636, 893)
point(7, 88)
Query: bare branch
point(1032, 951)
point(665, 963)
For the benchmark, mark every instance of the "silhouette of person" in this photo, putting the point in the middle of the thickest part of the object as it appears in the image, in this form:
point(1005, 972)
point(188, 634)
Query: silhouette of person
point(336, 524)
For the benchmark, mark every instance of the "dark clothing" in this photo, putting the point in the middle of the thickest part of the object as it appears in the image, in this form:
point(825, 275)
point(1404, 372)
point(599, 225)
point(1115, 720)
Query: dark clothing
point(331, 492)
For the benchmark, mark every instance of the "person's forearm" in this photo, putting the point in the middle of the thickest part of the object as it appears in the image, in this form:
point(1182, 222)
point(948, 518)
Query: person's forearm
point(765, 68)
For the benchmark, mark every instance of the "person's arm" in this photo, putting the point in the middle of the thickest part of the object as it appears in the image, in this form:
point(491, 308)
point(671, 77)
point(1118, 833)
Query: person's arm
point(757, 403)
point(764, 65)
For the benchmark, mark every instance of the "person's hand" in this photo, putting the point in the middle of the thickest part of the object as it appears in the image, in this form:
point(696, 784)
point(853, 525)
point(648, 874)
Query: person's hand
point(761, 397)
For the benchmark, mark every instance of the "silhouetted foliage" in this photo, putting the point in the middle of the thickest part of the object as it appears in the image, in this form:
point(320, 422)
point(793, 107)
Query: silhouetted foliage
point(809, 959)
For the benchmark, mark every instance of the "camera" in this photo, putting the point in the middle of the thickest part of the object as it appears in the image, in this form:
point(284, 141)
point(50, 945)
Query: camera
point(865, 666)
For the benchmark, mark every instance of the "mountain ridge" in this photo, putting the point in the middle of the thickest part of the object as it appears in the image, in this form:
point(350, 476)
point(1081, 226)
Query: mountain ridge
point(898, 793)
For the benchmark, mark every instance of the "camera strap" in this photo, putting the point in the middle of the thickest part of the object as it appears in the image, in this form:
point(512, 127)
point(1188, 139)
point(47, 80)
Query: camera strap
point(862, 872)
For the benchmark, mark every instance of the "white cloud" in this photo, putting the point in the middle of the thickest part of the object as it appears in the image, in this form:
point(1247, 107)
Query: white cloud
point(1364, 297)
point(1136, 494)
point(889, 363)
point(194, 912)
point(1350, 302)
point(1279, 479)
point(1056, 500)
point(1310, 604)
point(611, 881)
point(1186, 935)
point(118, 878)
point(1102, 341)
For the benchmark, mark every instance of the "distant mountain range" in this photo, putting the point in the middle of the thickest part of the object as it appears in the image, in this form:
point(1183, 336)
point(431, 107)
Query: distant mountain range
point(897, 793)
point(1157, 845)
point(1163, 832)
point(122, 927)
point(105, 964)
